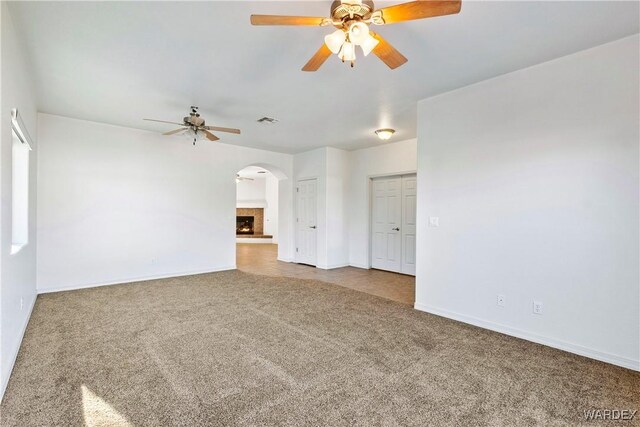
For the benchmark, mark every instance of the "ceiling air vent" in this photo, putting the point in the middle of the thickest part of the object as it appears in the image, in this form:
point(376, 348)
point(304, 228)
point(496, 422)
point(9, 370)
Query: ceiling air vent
point(267, 120)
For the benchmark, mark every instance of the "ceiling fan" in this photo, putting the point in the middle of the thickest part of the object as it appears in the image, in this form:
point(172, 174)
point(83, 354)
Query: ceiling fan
point(352, 19)
point(242, 178)
point(194, 126)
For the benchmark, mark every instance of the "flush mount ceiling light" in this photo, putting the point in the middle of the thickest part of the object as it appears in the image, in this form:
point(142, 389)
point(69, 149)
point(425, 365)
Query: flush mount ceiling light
point(352, 19)
point(385, 134)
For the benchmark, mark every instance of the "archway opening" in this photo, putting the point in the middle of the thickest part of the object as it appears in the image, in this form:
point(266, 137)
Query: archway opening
point(257, 214)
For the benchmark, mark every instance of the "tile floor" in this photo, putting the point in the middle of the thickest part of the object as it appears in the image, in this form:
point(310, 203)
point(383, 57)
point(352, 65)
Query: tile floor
point(261, 259)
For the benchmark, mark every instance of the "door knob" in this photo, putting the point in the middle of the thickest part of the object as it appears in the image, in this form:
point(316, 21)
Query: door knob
point(395, 229)
point(312, 226)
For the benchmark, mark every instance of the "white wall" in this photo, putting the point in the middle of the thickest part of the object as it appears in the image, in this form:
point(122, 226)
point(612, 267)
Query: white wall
point(330, 167)
point(250, 194)
point(534, 177)
point(271, 211)
point(18, 271)
point(388, 159)
point(337, 179)
point(118, 204)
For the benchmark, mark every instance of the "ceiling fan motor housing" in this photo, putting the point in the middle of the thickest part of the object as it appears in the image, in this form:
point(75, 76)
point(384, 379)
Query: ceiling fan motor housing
point(345, 11)
point(194, 120)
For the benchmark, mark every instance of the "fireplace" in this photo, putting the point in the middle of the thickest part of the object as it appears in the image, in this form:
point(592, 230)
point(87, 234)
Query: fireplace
point(244, 225)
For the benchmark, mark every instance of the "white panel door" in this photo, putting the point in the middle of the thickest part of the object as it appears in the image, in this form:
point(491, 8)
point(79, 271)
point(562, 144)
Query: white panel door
point(386, 244)
point(408, 227)
point(306, 225)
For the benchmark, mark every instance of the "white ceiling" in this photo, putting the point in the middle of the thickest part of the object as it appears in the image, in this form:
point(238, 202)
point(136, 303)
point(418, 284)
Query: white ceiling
point(118, 62)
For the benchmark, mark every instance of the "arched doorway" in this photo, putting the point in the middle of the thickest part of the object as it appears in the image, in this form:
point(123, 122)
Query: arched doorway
point(258, 214)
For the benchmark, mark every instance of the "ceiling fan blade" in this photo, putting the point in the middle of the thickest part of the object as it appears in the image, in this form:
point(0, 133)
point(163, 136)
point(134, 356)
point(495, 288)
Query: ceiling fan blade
point(317, 59)
point(418, 10)
point(387, 53)
point(209, 135)
point(164, 121)
point(287, 20)
point(171, 132)
point(219, 129)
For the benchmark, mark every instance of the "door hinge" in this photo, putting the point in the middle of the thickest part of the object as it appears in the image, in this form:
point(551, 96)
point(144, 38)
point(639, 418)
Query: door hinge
point(296, 249)
point(297, 189)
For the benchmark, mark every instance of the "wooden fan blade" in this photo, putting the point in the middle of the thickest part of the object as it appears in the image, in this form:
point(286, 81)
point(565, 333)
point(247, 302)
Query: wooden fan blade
point(419, 10)
point(210, 136)
point(164, 121)
point(287, 20)
point(219, 129)
point(171, 132)
point(318, 59)
point(387, 53)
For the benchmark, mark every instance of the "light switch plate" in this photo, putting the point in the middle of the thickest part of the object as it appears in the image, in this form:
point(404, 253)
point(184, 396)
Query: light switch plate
point(434, 221)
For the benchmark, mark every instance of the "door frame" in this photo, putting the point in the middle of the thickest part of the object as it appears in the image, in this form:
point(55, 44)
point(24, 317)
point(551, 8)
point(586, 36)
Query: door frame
point(295, 216)
point(370, 179)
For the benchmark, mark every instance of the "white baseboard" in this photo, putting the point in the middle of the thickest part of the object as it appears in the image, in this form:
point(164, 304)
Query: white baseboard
point(14, 355)
point(286, 259)
point(132, 279)
point(331, 267)
point(363, 266)
point(539, 339)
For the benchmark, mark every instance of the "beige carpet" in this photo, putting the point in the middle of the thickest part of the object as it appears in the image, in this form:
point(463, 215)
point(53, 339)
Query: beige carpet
point(238, 349)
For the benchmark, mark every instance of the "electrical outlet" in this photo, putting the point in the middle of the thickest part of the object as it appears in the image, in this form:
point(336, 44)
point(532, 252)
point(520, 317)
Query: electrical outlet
point(21, 303)
point(154, 261)
point(434, 221)
point(537, 307)
point(502, 300)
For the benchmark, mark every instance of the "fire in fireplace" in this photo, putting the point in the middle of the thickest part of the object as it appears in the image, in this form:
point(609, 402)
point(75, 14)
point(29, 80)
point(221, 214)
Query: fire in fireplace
point(244, 225)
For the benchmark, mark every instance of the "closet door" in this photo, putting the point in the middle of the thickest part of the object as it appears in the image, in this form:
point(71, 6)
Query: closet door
point(386, 242)
point(408, 228)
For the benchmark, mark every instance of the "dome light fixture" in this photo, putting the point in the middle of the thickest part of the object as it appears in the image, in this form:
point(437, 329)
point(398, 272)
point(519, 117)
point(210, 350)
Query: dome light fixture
point(385, 134)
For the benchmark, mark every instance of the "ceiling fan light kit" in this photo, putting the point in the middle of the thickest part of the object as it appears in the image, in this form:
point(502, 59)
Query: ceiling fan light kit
point(335, 40)
point(352, 19)
point(193, 126)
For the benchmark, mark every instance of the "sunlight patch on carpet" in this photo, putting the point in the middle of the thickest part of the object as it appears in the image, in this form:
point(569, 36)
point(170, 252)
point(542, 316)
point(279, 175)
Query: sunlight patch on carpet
point(98, 413)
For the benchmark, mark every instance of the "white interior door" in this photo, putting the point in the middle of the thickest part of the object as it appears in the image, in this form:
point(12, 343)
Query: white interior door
point(408, 228)
point(306, 222)
point(393, 224)
point(386, 245)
